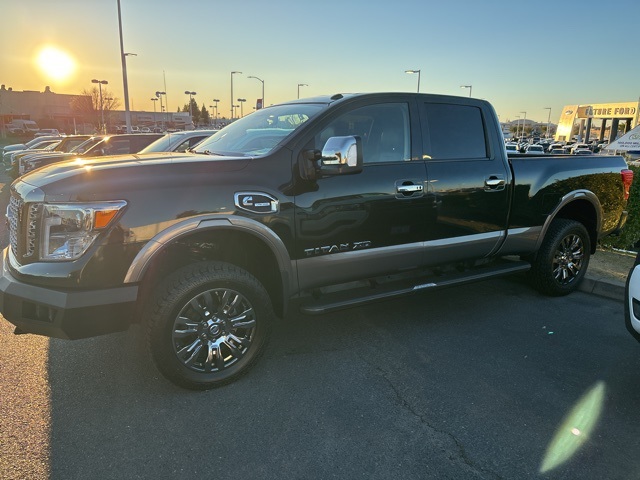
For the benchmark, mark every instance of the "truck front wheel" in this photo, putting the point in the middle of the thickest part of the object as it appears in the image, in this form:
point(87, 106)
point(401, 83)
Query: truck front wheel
point(207, 324)
point(563, 258)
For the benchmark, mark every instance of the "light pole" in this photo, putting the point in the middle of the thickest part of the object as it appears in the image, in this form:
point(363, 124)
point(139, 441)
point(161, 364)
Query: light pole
point(518, 127)
point(125, 83)
point(301, 85)
point(100, 83)
point(154, 100)
point(548, 120)
point(242, 100)
point(467, 86)
point(262, 82)
point(232, 114)
point(524, 122)
point(415, 71)
point(108, 104)
point(215, 100)
point(159, 95)
point(187, 92)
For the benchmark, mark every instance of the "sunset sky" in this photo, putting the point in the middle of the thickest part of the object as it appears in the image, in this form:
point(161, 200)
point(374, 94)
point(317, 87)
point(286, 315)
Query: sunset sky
point(521, 56)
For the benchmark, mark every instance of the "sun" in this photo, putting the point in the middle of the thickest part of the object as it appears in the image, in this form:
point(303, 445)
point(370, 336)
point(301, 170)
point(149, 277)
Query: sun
point(55, 63)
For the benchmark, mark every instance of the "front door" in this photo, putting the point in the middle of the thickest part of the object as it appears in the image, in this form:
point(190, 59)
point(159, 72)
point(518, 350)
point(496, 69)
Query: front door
point(350, 227)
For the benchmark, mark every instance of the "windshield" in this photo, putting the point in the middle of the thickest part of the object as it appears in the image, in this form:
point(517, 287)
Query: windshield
point(173, 140)
point(84, 146)
point(259, 132)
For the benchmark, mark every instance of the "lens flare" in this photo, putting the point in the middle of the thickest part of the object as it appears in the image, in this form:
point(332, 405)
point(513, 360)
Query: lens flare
point(575, 429)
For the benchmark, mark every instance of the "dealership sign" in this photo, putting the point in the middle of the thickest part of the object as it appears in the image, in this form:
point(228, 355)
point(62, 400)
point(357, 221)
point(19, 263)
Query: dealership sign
point(629, 141)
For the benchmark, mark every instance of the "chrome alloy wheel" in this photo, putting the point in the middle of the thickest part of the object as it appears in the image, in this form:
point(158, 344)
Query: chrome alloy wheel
point(568, 258)
point(214, 330)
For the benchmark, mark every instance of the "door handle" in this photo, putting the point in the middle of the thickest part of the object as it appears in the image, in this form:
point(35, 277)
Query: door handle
point(494, 182)
point(410, 188)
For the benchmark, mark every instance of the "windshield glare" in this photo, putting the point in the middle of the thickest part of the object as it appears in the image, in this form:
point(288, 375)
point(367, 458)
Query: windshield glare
point(258, 133)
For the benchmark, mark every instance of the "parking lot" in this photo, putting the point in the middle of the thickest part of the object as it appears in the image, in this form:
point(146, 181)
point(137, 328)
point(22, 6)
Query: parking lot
point(486, 381)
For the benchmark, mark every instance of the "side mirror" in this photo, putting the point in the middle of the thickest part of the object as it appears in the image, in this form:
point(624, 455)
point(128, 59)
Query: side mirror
point(341, 155)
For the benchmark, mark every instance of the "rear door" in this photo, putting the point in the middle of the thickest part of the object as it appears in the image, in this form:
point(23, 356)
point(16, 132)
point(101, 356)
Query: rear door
point(469, 182)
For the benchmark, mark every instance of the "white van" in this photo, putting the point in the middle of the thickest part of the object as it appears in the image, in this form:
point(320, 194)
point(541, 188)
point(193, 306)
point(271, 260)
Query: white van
point(23, 126)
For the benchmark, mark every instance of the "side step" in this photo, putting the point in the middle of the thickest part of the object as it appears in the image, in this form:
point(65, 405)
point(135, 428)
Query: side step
point(360, 296)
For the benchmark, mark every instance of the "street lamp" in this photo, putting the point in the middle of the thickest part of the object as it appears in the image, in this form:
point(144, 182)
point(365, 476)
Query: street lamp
point(159, 95)
point(517, 126)
point(467, 86)
point(187, 92)
point(125, 83)
point(154, 100)
point(301, 85)
point(415, 71)
point(232, 73)
point(548, 120)
point(261, 81)
point(100, 83)
point(242, 100)
point(215, 100)
point(524, 122)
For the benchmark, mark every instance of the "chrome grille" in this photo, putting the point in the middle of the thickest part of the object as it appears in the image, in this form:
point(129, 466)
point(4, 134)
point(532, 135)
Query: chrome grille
point(13, 215)
point(23, 227)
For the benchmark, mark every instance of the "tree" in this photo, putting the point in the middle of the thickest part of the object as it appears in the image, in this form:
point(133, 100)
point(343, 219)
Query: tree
point(87, 105)
point(205, 118)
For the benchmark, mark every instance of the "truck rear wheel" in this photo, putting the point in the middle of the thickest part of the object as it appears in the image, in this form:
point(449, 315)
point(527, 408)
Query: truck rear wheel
point(563, 258)
point(207, 324)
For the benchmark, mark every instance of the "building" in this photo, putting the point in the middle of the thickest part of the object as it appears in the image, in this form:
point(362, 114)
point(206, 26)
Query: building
point(601, 121)
point(47, 109)
point(77, 113)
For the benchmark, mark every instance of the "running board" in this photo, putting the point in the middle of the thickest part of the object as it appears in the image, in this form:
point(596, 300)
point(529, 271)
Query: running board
point(360, 296)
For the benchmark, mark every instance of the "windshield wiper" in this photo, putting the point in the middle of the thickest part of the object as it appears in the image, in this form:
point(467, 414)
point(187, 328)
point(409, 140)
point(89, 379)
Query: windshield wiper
point(209, 152)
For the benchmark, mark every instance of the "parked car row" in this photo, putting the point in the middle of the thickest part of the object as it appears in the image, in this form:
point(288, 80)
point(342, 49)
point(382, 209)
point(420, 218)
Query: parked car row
point(555, 148)
point(19, 161)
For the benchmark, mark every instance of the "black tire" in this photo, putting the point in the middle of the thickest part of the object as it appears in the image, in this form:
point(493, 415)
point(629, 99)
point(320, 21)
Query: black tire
point(207, 324)
point(562, 261)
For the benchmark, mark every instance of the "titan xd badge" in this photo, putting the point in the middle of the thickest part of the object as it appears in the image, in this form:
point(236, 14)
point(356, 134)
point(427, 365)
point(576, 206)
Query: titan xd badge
point(256, 202)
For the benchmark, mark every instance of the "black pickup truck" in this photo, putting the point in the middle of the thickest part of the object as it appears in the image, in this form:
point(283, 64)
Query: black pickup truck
point(321, 203)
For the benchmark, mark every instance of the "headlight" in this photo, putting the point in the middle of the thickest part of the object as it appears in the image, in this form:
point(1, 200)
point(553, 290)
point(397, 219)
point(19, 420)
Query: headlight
point(29, 165)
point(68, 230)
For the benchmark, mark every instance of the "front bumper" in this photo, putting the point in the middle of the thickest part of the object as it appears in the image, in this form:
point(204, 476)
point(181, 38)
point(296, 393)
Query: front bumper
point(68, 314)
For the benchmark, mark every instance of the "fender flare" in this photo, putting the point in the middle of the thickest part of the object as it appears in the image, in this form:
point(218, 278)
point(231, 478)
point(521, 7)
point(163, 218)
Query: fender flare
point(566, 200)
point(160, 241)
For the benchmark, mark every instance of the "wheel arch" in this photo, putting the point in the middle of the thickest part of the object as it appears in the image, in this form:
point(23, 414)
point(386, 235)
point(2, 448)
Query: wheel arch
point(582, 206)
point(241, 241)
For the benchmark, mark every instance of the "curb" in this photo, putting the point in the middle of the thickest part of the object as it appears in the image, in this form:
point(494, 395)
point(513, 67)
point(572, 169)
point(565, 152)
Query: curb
point(611, 289)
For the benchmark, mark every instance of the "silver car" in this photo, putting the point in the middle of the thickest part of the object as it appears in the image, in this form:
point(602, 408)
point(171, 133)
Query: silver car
point(178, 141)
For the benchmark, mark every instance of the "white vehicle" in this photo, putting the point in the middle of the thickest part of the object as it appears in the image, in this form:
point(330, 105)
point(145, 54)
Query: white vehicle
point(632, 300)
point(43, 132)
point(534, 150)
point(512, 148)
point(579, 146)
point(23, 126)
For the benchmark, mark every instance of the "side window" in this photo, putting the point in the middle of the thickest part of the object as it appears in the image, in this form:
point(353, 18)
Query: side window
point(118, 147)
point(183, 146)
point(383, 128)
point(456, 131)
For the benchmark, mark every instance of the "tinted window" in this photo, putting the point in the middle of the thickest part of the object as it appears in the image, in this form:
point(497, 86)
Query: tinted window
point(456, 131)
point(384, 130)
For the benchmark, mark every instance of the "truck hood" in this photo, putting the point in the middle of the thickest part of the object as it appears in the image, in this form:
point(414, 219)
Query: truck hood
point(71, 179)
